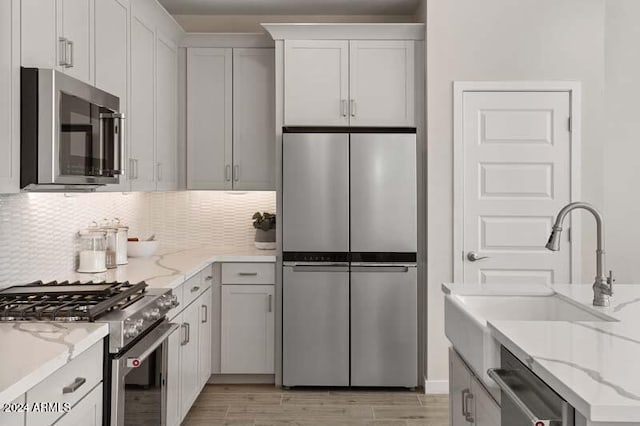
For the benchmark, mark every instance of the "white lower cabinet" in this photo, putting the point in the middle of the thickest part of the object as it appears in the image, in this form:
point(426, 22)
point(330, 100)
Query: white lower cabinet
point(88, 412)
point(13, 415)
point(247, 335)
point(469, 402)
point(189, 379)
point(204, 336)
point(173, 375)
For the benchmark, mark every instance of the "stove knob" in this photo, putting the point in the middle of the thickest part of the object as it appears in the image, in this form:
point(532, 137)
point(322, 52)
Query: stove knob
point(164, 302)
point(174, 301)
point(139, 325)
point(154, 313)
point(131, 331)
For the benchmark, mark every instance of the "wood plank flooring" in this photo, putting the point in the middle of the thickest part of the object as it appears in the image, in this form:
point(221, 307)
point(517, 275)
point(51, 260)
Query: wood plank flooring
point(266, 405)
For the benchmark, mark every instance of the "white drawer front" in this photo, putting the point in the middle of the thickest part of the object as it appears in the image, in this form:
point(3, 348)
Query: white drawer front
point(67, 385)
point(193, 287)
point(248, 273)
point(87, 412)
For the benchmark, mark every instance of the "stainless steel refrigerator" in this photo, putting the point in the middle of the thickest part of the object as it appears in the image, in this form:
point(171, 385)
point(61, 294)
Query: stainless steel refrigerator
point(349, 224)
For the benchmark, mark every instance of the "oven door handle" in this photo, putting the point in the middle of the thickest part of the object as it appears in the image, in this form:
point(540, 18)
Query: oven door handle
point(159, 335)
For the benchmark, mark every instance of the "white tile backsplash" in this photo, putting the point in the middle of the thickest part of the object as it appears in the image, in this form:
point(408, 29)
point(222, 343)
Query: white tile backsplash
point(38, 231)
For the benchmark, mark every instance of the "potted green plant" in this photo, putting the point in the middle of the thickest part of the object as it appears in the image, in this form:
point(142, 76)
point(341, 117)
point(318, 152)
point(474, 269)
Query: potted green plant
point(265, 224)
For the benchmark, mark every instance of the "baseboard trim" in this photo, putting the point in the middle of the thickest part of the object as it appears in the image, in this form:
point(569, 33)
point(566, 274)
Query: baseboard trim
point(241, 379)
point(436, 387)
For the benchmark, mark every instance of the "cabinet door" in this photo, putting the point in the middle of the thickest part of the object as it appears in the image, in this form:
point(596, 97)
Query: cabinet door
point(39, 37)
point(247, 329)
point(9, 96)
point(209, 120)
point(254, 145)
point(486, 412)
point(459, 389)
point(382, 83)
point(87, 412)
point(317, 89)
point(141, 117)
point(173, 374)
point(189, 378)
point(75, 18)
point(166, 115)
point(204, 342)
point(112, 59)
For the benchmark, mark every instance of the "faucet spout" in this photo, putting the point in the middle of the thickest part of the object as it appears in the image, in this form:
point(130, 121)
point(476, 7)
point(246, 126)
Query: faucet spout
point(602, 286)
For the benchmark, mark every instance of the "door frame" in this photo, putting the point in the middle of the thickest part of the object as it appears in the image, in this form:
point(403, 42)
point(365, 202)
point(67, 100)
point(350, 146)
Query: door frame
point(574, 88)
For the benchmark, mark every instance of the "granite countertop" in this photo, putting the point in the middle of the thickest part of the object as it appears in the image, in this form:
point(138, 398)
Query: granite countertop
point(173, 266)
point(595, 366)
point(32, 351)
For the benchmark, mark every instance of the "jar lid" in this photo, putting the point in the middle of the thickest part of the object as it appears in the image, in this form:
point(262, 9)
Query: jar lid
point(117, 224)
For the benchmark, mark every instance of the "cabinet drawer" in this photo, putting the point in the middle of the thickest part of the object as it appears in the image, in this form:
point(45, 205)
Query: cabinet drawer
point(196, 285)
point(67, 385)
point(248, 273)
point(87, 412)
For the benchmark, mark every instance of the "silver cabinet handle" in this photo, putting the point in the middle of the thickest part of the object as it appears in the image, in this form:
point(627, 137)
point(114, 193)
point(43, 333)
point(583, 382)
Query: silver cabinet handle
point(194, 289)
point(208, 278)
point(62, 56)
point(352, 107)
point(159, 167)
point(183, 326)
point(70, 62)
point(79, 381)
point(344, 107)
point(137, 170)
point(270, 304)
point(463, 399)
point(133, 168)
point(496, 374)
point(468, 414)
point(227, 172)
point(247, 274)
point(188, 332)
point(205, 310)
point(236, 172)
point(472, 256)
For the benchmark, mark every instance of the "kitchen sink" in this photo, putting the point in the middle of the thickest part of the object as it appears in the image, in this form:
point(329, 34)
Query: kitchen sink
point(466, 326)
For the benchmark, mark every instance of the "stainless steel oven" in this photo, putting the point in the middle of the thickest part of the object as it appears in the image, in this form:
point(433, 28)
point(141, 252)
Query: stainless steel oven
point(71, 133)
point(139, 380)
point(525, 399)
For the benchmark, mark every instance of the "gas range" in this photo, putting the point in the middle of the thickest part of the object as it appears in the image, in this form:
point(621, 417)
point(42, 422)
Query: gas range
point(130, 310)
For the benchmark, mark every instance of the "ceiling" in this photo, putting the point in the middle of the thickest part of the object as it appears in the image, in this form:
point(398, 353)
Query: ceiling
point(291, 7)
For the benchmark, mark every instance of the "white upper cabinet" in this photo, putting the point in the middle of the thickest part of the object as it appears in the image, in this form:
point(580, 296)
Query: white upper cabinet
point(254, 120)
point(342, 83)
point(166, 115)
point(39, 40)
point(9, 96)
point(381, 82)
point(209, 118)
point(316, 90)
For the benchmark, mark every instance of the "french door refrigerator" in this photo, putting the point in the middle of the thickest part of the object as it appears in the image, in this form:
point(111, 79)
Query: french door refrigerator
point(349, 223)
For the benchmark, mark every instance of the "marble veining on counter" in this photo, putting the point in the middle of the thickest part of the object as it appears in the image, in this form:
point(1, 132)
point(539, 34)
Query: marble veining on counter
point(31, 351)
point(595, 366)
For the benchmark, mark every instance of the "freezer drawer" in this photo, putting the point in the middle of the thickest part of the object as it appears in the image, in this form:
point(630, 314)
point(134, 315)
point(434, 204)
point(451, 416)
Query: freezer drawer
point(384, 329)
point(383, 193)
point(315, 192)
point(315, 331)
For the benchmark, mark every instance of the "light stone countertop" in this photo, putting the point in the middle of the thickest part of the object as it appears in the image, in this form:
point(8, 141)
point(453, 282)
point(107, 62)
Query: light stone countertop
point(32, 351)
point(595, 366)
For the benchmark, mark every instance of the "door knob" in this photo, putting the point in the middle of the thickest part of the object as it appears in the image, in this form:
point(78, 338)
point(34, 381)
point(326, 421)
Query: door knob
point(473, 256)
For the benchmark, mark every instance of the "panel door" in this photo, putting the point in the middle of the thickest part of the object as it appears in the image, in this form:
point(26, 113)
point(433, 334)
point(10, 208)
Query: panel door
point(315, 192)
point(39, 36)
point(174, 349)
point(209, 118)
point(486, 412)
point(383, 193)
point(142, 116)
point(381, 82)
point(9, 96)
point(459, 388)
point(315, 326)
point(76, 21)
point(247, 329)
point(204, 330)
point(517, 177)
point(189, 379)
point(254, 156)
point(384, 331)
point(317, 89)
point(112, 64)
point(166, 115)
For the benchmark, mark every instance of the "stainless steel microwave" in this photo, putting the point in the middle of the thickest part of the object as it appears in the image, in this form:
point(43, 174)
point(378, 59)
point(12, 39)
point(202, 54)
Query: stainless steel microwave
point(72, 135)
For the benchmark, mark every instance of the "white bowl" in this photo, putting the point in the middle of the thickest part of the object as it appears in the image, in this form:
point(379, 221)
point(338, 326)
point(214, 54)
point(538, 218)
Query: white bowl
point(142, 248)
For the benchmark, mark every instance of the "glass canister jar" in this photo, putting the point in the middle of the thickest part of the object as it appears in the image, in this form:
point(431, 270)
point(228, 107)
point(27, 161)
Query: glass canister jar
point(92, 251)
point(122, 236)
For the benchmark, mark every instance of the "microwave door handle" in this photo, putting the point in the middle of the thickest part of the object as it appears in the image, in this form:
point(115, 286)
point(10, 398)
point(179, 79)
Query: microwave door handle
point(101, 146)
point(117, 129)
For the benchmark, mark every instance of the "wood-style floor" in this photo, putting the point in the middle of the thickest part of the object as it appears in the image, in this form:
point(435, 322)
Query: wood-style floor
point(265, 405)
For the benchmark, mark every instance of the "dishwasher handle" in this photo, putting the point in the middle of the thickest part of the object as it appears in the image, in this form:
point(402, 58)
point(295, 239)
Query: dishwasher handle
point(363, 267)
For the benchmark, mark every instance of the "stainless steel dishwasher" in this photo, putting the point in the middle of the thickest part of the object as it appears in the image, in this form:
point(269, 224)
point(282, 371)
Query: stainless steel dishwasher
point(525, 399)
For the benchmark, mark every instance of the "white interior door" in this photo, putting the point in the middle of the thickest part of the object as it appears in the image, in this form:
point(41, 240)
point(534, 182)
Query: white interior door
point(516, 152)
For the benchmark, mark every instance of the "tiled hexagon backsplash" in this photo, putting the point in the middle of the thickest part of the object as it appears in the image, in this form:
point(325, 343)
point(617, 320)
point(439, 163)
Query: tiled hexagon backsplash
point(38, 232)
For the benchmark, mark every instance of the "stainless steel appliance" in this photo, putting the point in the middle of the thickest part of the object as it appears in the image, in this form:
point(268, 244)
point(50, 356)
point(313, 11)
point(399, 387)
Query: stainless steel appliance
point(527, 400)
point(349, 218)
point(138, 333)
point(72, 134)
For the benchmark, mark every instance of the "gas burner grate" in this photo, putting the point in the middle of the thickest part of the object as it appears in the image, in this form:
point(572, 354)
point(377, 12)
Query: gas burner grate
point(67, 301)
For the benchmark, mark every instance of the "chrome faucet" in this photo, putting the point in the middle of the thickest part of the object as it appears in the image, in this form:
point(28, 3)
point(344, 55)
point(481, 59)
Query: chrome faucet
point(602, 286)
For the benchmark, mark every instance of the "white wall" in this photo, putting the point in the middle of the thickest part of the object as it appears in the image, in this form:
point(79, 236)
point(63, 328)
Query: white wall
point(504, 40)
point(251, 23)
point(622, 141)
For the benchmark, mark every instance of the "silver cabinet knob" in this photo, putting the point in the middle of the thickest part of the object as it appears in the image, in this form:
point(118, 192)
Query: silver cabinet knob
point(472, 256)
